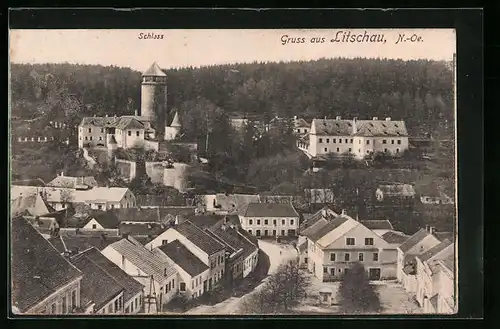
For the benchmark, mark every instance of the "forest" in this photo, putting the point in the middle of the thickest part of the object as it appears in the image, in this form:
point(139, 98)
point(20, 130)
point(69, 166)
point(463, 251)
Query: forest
point(419, 92)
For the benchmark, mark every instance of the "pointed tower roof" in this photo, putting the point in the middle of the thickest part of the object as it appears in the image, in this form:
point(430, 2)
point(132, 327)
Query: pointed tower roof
point(176, 122)
point(154, 70)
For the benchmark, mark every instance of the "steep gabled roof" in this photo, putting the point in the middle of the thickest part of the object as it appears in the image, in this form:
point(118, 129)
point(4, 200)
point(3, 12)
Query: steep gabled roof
point(328, 227)
point(97, 285)
point(131, 286)
point(413, 240)
point(175, 121)
point(271, 210)
point(383, 224)
point(107, 219)
point(434, 250)
point(154, 70)
point(184, 258)
point(199, 237)
point(37, 268)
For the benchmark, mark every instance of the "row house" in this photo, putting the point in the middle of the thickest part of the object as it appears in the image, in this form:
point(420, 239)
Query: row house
point(417, 244)
point(270, 219)
point(334, 244)
point(97, 198)
point(129, 302)
point(357, 137)
point(43, 281)
point(208, 249)
point(149, 268)
point(428, 278)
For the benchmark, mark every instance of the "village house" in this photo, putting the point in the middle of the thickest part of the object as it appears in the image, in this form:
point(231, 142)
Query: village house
point(378, 226)
point(426, 274)
point(319, 195)
point(43, 281)
point(417, 244)
point(396, 192)
point(334, 244)
point(83, 182)
point(270, 219)
point(101, 221)
point(301, 126)
point(151, 270)
point(445, 286)
point(227, 204)
point(357, 137)
point(72, 241)
point(100, 293)
point(192, 271)
point(434, 194)
point(208, 249)
point(133, 290)
point(98, 198)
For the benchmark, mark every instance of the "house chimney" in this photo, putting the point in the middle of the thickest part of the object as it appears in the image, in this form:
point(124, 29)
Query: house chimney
point(323, 212)
point(432, 229)
point(375, 118)
point(427, 228)
point(338, 118)
point(325, 118)
point(62, 173)
point(387, 119)
point(295, 117)
point(344, 213)
point(223, 227)
point(354, 128)
point(176, 222)
point(106, 115)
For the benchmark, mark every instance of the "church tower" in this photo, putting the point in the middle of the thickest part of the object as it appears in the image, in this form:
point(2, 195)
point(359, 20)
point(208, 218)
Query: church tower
point(154, 97)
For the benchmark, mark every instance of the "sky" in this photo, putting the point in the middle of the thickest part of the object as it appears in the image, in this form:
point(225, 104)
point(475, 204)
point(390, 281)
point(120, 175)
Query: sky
point(180, 48)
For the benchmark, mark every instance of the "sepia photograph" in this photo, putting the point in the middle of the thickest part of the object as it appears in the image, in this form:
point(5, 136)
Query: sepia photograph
point(233, 172)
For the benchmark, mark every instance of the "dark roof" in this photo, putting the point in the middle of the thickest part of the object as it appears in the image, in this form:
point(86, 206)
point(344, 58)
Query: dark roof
point(328, 227)
point(314, 228)
point(131, 286)
point(394, 237)
point(138, 214)
point(57, 243)
point(97, 286)
point(271, 210)
point(314, 218)
point(184, 258)
point(235, 239)
point(77, 243)
point(383, 224)
point(434, 302)
point(434, 250)
point(230, 248)
point(107, 219)
point(409, 269)
point(141, 229)
point(38, 269)
point(449, 262)
point(206, 221)
point(413, 240)
point(182, 213)
point(199, 237)
point(333, 127)
point(112, 122)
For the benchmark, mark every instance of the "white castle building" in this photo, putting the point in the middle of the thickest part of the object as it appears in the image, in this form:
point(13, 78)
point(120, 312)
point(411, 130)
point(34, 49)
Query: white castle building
point(357, 137)
point(146, 129)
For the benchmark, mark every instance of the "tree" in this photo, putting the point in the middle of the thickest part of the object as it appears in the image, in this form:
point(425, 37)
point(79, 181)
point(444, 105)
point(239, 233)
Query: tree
point(66, 200)
point(357, 295)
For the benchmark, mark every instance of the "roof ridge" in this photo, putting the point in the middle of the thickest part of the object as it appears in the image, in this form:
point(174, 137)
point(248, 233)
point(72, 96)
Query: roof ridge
point(102, 269)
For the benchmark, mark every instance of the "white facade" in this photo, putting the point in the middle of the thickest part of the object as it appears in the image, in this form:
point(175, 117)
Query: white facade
point(134, 304)
point(270, 226)
point(114, 306)
point(250, 262)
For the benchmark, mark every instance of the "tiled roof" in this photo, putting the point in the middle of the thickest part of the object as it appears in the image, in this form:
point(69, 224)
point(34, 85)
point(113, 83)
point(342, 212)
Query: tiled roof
point(328, 227)
point(270, 210)
point(32, 203)
point(368, 128)
point(78, 243)
point(29, 182)
point(252, 238)
point(184, 258)
point(131, 286)
point(314, 228)
point(394, 237)
point(434, 302)
point(449, 262)
point(441, 236)
point(413, 240)
point(169, 213)
point(434, 250)
point(112, 122)
point(206, 221)
point(137, 214)
point(230, 247)
point(97, 285)
point(154, 70)
point(37, 268)
point(383, 224)
point(107, 219)
point(199, 237)
point(72, 182)
point(141, 229)
point(57, 243)
point(302, 123)
point(144, 259)
point(105, 194)
point(397, 189)
point(236, 203)
point(235, 239)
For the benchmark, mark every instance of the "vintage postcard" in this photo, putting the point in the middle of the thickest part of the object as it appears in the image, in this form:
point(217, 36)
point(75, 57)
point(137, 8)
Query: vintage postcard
point(233, 172)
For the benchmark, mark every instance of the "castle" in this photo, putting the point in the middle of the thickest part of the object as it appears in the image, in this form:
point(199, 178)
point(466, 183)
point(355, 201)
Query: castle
point(148, 130)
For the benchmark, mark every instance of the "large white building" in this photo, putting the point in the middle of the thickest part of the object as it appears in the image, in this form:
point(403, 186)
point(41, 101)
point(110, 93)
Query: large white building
point(358, 137)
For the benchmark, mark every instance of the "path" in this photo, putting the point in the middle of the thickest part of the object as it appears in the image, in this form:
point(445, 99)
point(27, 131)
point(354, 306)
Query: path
point(232, 305)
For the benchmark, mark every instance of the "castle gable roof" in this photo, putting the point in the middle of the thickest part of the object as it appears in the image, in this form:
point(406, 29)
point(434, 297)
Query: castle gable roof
point(154, 70)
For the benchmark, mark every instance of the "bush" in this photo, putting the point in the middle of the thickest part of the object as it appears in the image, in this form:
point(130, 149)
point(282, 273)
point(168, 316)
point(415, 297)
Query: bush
point(357, 295)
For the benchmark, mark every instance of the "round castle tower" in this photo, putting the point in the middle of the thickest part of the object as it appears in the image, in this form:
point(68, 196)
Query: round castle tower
point(154, 97)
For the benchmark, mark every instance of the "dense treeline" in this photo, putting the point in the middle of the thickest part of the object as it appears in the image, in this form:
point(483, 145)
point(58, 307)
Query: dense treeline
point(418, 91)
